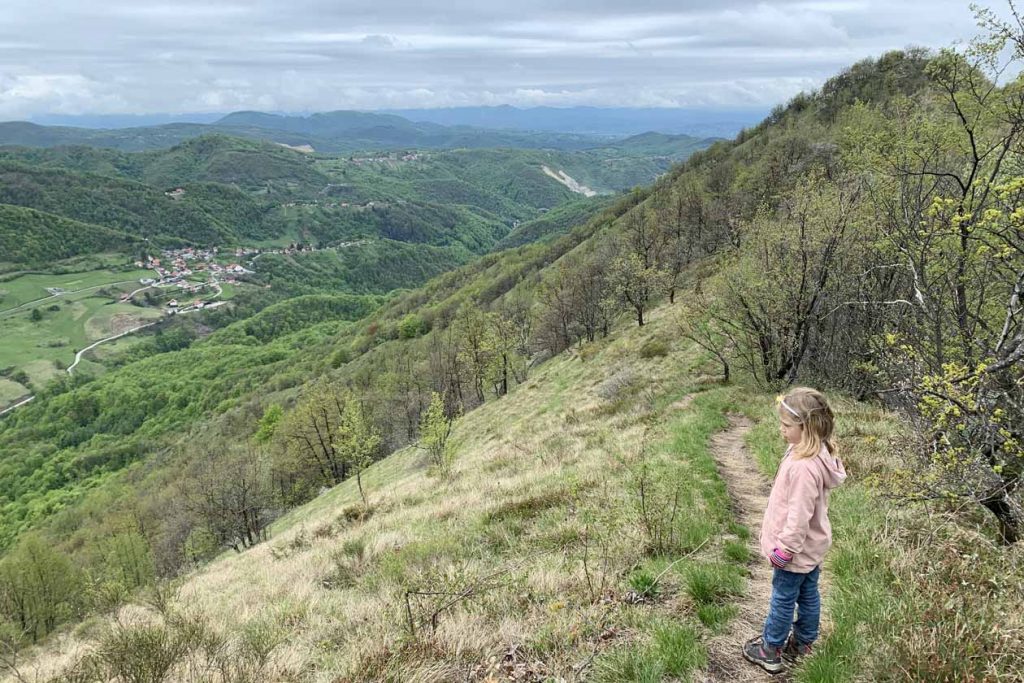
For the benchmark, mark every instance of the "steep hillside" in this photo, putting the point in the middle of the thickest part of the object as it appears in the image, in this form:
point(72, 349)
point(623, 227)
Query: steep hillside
point(554, 223)
point(586, 532)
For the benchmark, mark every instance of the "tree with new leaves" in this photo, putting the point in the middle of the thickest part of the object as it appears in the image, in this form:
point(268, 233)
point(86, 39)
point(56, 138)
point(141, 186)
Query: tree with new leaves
point(634, 284)
point(475, 334)
point(39, 587)
point(356, 440)
point(510, 335)
point(435, 434)
point(944, 179)
point(308, 434)
point(776, 292)
point(592, 300)
point(556, 324)
point(268, 423)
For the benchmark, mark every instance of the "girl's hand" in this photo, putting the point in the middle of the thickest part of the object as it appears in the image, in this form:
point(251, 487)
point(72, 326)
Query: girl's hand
point(780, 558)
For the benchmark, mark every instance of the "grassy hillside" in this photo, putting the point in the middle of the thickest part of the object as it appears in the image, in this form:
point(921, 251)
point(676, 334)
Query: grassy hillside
point(536, 555)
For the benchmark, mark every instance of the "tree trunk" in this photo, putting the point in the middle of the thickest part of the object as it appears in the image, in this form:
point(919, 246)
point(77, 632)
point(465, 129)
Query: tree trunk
point(359, 481)
point(1008, 514)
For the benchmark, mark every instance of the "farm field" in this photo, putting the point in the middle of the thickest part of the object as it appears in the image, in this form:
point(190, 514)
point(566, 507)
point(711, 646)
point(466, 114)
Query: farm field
point(26, 288)
point(43, 347)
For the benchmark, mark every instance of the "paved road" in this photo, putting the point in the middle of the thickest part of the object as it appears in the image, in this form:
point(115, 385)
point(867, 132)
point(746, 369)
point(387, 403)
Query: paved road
point(78, 356)
point(16, 405)
point(73, 291)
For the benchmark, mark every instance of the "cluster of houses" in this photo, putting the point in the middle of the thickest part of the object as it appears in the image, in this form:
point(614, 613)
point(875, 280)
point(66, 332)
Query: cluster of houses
point(176, 264)
point(173, 266)
point(385, 157)
point(334, 202)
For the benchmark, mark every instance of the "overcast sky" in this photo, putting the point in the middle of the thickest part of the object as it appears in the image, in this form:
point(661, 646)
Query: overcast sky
point(142, 56)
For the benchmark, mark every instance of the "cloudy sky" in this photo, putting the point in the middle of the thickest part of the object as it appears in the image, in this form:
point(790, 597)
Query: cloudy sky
point(147, 56)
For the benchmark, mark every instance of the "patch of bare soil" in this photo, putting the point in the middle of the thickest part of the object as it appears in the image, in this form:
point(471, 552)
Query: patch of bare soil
point(122, 322)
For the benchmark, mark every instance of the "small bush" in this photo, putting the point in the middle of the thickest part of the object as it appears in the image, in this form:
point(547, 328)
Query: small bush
point(654, 348)
point(349, 562)
point(258, 640)
point(619, 386)
point(644, 584)
point(139, 654)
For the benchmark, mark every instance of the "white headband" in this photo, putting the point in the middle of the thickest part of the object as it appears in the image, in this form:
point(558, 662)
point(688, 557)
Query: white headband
point(786, 406)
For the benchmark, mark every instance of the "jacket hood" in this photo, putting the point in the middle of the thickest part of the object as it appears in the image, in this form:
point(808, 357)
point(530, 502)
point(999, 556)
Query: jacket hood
point(834, 470)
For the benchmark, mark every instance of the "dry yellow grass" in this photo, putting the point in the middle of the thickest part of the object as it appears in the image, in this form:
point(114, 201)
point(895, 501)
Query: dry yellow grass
point(536, 560)
point(533, 470)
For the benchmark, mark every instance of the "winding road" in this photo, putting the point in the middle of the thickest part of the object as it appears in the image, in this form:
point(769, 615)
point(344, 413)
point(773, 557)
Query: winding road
point(72, 291)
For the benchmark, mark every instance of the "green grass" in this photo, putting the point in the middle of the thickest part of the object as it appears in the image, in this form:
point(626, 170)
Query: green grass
point(736, 551)
point(26, 288)
point(80, 318)
point(10, 391)
point(711, 584)
point(670, 651)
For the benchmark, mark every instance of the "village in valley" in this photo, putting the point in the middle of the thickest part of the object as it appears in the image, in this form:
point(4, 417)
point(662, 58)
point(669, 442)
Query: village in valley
point(195, 271)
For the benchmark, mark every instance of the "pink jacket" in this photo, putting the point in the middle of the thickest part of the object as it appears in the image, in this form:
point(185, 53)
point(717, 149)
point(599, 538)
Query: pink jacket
point(796, 519)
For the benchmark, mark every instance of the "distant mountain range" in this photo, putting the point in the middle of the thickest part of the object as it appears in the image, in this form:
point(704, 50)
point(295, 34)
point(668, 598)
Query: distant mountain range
point(332, 132)
point(594, 120)
point(620, 121)
point(349, 131)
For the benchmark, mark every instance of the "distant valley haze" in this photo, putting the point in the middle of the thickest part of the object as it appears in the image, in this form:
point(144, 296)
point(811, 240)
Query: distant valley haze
point(613, 122)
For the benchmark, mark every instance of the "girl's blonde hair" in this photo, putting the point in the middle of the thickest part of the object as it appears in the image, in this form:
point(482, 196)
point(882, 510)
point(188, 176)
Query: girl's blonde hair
point(809, 408)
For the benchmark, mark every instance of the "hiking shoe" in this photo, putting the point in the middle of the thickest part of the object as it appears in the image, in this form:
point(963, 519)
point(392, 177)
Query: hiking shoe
point(765, 656)
point(793, 651)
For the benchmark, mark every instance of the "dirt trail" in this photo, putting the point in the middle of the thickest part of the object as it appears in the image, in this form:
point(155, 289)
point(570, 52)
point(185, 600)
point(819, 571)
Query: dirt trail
point(748, 490)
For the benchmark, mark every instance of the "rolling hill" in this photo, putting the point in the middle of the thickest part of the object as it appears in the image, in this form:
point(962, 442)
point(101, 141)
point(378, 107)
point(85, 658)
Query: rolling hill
point(332, 132)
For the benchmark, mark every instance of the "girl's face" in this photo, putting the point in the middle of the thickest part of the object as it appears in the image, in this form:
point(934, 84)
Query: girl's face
point(791, 431)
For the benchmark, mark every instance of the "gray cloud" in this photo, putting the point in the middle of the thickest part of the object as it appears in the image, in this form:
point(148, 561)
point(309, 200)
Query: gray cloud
point(79, 56)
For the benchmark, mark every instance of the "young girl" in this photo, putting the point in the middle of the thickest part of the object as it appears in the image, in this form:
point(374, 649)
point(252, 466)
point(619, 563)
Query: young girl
point(796, 533)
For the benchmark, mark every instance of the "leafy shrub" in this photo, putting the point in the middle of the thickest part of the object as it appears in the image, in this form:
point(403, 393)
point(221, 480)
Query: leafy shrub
point(644, 584)
point(654, 348)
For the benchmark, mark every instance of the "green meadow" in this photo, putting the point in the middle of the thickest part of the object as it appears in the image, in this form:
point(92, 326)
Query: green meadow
point(41, 346)
point(27, 288)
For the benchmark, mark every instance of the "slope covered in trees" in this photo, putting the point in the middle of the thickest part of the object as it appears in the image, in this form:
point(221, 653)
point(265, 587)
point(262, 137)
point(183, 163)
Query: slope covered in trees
point(35, 238)
point(237, 191)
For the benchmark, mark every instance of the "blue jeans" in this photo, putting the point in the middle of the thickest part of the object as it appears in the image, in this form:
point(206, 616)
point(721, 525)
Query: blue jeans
point(791, 590)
